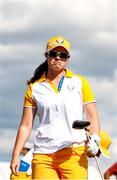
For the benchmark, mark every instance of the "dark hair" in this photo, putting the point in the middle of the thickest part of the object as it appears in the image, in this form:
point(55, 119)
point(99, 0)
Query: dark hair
point(38, 72)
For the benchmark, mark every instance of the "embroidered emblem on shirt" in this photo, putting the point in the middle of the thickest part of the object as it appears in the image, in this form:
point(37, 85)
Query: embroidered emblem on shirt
point(70, 87)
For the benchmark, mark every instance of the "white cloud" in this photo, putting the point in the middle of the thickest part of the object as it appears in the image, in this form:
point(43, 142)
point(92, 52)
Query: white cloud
point(107, 38)
point(14, 25)
point(105, 90)
point(92, 15)
point(15, 16)
point(19, 52)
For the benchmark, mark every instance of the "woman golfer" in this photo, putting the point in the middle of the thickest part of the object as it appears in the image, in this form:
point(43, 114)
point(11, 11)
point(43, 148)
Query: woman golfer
point(58, 97)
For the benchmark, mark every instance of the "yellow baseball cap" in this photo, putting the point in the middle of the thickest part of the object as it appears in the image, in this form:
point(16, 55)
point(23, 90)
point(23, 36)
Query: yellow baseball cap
point(105, 143)
point(58, 41)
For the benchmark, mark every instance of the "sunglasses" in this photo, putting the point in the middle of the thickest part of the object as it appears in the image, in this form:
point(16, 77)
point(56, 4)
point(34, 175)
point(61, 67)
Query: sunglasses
point(54, 54)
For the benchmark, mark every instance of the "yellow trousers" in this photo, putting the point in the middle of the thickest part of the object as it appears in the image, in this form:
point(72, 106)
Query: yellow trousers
point(68, 163)
point(21, 176)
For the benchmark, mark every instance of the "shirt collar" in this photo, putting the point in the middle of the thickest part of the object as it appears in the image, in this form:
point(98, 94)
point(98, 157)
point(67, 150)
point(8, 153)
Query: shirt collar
point(68, 74)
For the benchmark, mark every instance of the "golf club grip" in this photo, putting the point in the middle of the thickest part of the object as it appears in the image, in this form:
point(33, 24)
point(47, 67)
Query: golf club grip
point(80, 124)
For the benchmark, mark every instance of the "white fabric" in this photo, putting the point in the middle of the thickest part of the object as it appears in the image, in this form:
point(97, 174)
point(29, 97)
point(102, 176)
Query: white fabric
point(93, 145)
point(57, 111)
point(28, 157)
point(29, 172)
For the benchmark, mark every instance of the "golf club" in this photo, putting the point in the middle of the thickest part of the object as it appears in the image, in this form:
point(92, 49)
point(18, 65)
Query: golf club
point(83, 125)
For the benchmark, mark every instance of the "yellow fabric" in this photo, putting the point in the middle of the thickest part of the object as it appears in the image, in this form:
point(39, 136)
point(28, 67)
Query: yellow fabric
point(68, 163)
point(21, 175)
point(28, 98)
point(87, 92)
point(69, 74)
point(105, 143)
point(58, 41)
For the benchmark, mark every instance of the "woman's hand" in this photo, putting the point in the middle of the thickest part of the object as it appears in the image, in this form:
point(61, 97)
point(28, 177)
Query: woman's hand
point(22, 136)
point(93, 145)
point(14, 166)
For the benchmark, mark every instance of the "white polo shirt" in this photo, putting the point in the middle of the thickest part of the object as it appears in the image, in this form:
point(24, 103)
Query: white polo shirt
point(58, 110)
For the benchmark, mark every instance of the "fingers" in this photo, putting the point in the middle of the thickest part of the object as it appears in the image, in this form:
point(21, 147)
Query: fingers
point(93, 155)
point(93, 147)
point(99, 153)
point(14, 171)
point(14, 168)
point(93, 144)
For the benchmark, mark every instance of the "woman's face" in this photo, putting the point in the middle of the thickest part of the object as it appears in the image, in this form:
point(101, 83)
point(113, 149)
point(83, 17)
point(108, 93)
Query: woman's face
point(57, 63)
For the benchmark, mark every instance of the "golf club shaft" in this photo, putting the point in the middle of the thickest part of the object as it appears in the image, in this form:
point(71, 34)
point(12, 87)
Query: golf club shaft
point(97, 162)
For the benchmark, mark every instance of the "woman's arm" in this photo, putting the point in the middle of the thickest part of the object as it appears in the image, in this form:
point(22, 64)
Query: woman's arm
point(92, 116)
point(22, 136)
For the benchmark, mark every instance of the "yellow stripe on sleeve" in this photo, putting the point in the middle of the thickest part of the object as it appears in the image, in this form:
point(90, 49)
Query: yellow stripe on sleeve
point(28, 99)
point(88, 95)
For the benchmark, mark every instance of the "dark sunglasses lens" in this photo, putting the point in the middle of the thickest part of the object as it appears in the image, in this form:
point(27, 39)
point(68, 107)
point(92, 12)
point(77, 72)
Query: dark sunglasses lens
point(63, 55)
point(53, 54)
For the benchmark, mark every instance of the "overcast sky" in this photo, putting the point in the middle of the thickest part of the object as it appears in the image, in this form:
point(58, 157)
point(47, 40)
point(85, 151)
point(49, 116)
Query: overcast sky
point(26, 26)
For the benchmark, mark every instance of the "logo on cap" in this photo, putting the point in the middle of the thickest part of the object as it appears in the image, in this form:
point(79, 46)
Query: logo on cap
point(58, 41)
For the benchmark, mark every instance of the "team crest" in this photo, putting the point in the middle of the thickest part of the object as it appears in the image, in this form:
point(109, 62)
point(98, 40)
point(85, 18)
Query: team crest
point(60, 41)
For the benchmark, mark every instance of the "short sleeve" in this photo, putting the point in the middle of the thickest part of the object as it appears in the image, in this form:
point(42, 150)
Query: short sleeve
point(28, 98)
point(88, 95)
